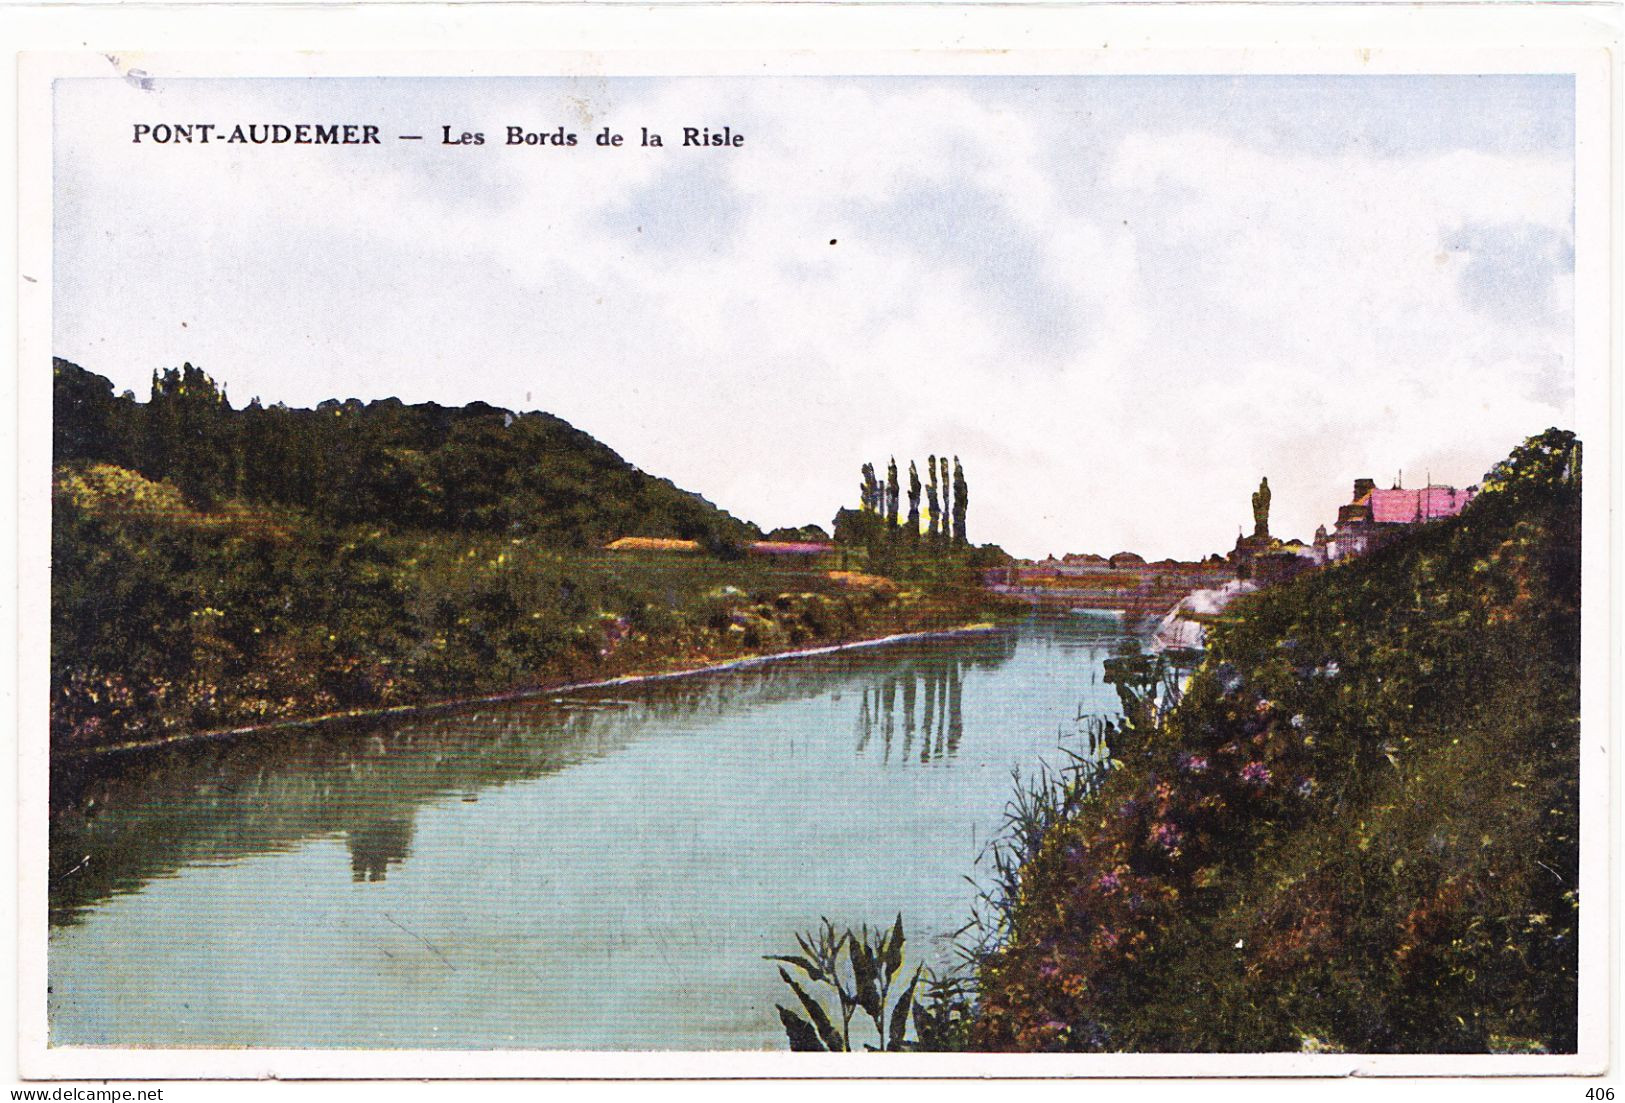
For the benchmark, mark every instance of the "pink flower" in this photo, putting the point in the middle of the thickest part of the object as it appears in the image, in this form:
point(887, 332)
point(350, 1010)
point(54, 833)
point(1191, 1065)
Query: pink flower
point(1168, 836)
point(1256, 773)
point(1108, 882)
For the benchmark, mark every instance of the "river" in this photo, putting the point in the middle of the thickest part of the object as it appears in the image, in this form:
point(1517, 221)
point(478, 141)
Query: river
point(600, 872)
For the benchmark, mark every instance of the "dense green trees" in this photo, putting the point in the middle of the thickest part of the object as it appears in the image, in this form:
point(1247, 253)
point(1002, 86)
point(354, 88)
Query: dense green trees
point(84, 420)
point(186, 434)
point(214, 567)
point(800, 534)
point(477, 468)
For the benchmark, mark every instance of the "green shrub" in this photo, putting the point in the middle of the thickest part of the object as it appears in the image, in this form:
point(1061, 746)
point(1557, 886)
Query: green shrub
point(1357, 830)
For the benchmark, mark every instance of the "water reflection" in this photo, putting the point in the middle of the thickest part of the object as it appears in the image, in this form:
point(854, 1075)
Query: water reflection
point(941, 726)
point(929, 687)
point(118, 824)
point(375, 846)
point(919, 700)
point(602, 871)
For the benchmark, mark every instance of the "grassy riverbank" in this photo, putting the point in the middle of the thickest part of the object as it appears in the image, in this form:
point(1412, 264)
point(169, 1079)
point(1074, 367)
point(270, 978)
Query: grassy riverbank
point(216, 568)
point(170, 618)
point(1358, 828)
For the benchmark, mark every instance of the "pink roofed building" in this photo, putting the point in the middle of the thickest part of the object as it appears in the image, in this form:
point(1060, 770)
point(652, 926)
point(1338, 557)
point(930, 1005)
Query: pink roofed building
point(784, 550)
point(1374, 516)
point(791, 549)
point(1409, 507)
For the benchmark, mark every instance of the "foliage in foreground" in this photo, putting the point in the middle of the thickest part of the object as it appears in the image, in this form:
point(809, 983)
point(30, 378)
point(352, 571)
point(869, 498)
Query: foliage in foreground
point(937, 1005)
point(944, 1000)
point(871, 967)
point(1358, 831)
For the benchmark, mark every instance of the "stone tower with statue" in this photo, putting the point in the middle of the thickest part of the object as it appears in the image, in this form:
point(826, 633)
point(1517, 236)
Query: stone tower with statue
point(1260, 543)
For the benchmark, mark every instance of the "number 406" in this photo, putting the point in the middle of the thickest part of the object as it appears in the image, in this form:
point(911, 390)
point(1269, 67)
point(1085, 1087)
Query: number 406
point(1602, 1095)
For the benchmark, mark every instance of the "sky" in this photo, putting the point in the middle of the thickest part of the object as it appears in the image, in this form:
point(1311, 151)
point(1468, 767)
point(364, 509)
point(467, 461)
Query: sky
point(1120, 300)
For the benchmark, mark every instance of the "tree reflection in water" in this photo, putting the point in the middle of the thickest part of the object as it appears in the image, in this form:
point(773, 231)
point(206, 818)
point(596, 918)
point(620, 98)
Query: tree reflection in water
point(120, 821)
point(375, 846)
point(930, 684)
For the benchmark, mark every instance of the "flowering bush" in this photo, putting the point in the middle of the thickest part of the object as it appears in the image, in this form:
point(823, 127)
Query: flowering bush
point(1357, 831)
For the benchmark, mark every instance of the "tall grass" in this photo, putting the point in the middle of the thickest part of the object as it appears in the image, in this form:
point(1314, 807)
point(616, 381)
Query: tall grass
point(1148, 687)
point(943, 1002)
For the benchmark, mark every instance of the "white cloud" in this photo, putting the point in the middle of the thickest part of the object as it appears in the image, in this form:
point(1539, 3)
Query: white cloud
point(1118, 329)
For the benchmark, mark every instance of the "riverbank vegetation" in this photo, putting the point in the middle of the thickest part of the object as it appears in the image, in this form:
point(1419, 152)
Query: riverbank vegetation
point(1356, 830)
point(215, 568)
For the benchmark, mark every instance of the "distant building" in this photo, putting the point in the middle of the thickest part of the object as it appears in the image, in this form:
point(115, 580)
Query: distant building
point(1126, 559)
point(651, 544)
point(792, 550)
point(1323, 545)
point(1375, 516)
point(1079, 563)
point(804, 551)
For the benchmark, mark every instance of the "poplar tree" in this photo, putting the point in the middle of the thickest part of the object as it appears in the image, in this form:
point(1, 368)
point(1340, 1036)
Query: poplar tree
point(931, 494)
point(961, 501)
point(913, 501)
point(945, 530)
point(891, 493)
point(869, 499)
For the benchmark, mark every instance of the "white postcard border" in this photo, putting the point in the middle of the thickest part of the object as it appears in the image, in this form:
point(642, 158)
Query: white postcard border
point(1327, 48)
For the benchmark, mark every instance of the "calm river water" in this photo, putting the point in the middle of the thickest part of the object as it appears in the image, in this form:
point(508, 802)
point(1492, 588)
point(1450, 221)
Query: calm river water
point(601, 873)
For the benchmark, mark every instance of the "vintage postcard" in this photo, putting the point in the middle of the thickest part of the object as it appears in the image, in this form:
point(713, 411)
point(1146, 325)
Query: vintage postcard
point(755, 563)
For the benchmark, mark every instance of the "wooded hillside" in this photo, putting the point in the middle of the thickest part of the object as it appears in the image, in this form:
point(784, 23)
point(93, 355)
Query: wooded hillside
point(425, 466)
